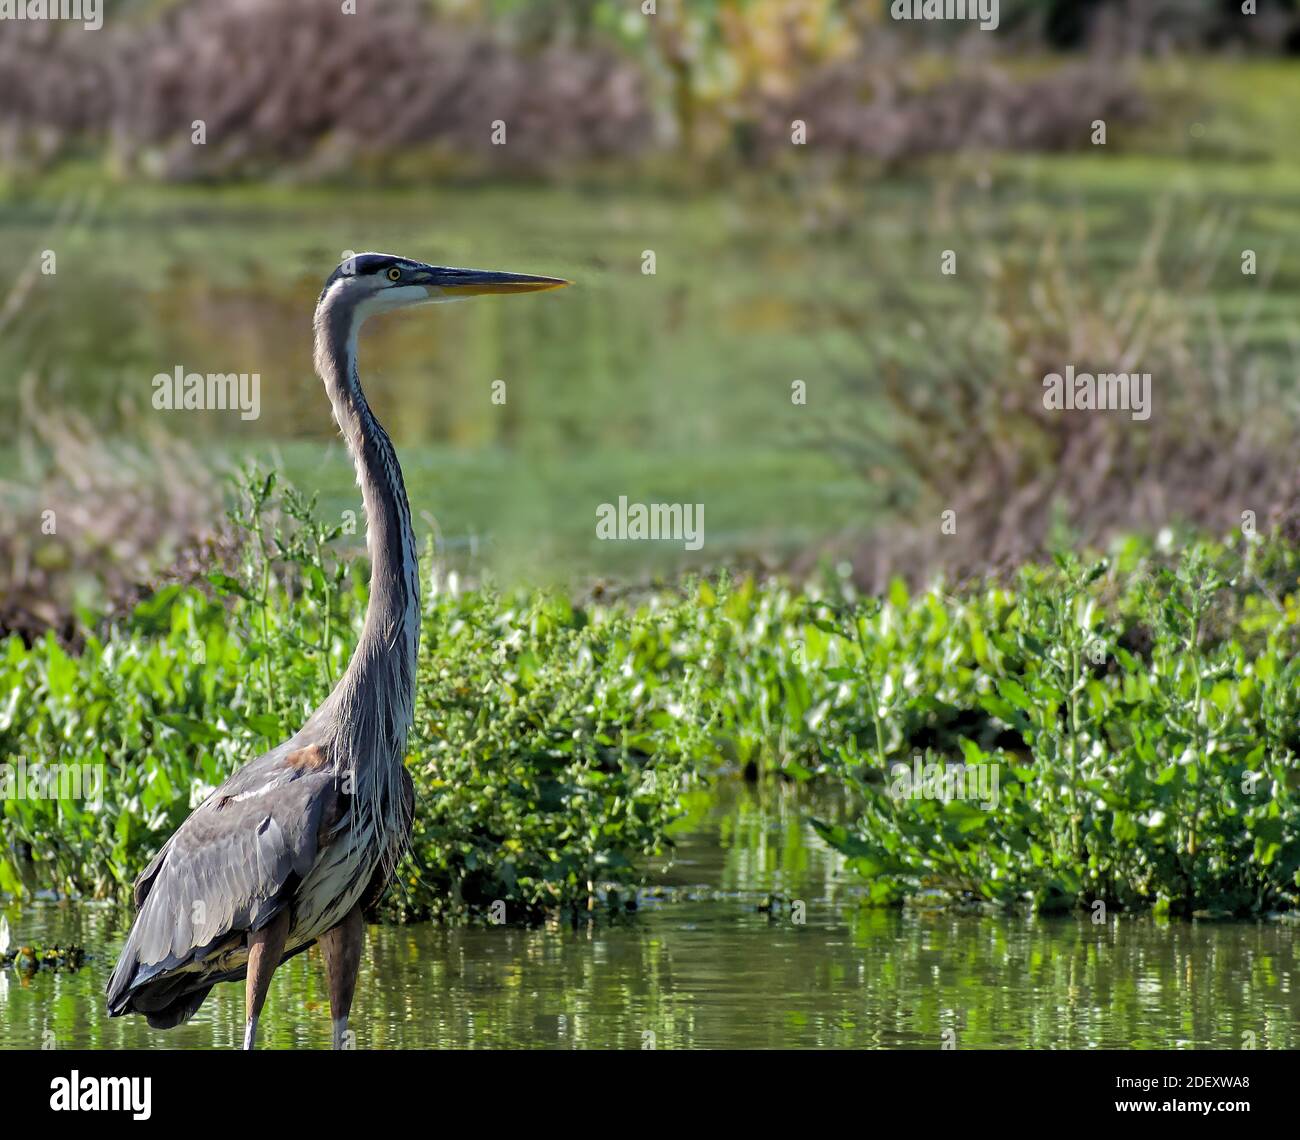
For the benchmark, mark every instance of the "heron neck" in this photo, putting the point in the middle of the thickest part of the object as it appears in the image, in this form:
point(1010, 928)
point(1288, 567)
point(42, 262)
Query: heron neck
point(382, 669)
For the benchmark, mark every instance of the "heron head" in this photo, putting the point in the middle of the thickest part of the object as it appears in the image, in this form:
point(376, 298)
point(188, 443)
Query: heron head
point(382, 282)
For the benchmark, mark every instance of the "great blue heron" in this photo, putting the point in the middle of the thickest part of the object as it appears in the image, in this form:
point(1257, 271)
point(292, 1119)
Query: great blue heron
point(295, 845)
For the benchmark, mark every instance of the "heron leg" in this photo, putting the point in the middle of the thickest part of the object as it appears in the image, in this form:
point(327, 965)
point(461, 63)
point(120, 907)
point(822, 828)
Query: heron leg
point(341, 949)
point(265, 948)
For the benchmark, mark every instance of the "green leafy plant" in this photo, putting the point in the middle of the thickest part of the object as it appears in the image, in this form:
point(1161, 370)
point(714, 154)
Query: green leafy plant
point(1138, 712)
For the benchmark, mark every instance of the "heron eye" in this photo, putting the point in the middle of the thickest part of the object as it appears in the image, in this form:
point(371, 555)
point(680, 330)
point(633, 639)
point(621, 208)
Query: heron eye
point(394, 274)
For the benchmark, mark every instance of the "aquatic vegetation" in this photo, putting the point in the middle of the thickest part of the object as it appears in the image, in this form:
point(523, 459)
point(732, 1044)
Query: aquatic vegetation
point(27, 959)
point(1112, 736)
point(1125, 727)
point(544, 759)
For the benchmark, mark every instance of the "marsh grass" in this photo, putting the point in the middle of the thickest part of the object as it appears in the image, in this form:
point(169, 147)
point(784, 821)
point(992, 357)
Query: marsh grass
point(947, 412)
point(90, 524)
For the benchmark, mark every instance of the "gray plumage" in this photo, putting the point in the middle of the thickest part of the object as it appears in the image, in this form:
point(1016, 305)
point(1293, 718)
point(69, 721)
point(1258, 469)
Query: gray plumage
point(315, 827)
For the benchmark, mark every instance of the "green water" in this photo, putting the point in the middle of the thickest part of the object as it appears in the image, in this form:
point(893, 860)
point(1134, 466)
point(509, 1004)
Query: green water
point(674, 387)
point(700, 966)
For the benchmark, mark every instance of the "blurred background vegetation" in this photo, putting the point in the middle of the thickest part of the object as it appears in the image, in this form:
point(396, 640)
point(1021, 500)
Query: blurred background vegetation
point(671, 132)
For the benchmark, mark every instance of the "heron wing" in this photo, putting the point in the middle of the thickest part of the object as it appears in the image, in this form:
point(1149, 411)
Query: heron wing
point(230, 868)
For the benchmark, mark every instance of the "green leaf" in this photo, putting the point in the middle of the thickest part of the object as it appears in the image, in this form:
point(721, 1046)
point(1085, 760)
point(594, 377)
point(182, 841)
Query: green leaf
point(191, 729)
point(1015, 695)
point(225, 584)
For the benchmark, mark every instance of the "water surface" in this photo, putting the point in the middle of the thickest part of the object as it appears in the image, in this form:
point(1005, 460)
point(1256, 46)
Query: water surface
point(700, 965)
